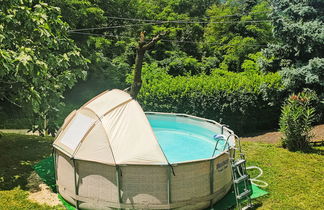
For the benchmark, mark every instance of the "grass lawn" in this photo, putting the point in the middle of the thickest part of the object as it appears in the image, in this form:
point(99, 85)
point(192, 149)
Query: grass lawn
point(295, 179)
point(17, 155)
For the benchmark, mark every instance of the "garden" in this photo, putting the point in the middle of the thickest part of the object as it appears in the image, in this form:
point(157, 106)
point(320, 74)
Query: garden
point(255, 66)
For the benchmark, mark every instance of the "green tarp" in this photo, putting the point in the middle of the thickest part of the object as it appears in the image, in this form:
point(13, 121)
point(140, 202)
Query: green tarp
point(45, 169)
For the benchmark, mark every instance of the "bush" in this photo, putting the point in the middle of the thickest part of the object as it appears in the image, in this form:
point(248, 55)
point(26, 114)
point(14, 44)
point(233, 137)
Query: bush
point(245, 101)
point(13, 117)
point(296, 120)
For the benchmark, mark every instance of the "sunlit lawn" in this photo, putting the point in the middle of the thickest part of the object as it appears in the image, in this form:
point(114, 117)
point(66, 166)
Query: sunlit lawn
point(295, 179)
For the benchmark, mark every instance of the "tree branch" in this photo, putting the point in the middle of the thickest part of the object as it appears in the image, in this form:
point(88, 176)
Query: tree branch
point(142, 47)
point(153, 41)
point(12, 102)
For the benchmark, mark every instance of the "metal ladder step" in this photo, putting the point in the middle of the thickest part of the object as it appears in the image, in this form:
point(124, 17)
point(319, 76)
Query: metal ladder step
point(242, 178)
point(239, 162)
point(247, 207)
point(243, 194)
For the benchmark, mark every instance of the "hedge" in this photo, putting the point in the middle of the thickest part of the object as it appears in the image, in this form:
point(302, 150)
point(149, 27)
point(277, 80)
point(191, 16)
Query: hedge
point(246, 101)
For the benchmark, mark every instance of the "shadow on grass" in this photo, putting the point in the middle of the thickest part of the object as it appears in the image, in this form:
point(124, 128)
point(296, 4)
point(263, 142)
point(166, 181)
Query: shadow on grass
point(319, 150)
point(256, 205)
point(315, 150)
point(258, 133)
point(18, 153)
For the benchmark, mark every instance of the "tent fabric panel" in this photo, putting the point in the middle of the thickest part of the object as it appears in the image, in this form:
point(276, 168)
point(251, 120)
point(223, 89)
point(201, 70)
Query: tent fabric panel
point(108, 101)
point(66, 129)
point(64, 149)
point(69, 118)
point(66, 195)
point(65, 175)
point(97, 181)
point(95, 147)
point(77, 129)
point(131, 136)
point(66, 122)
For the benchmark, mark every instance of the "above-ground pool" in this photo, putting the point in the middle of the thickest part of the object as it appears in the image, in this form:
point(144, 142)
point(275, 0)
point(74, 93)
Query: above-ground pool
point(109, 154)
point(185, 138)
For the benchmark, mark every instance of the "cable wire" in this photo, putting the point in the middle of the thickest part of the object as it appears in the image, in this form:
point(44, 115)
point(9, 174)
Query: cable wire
point(191, 42)
point(102, 35)
point(162, 40)
point(186, 21)
point(152, 22)
point(162, 22)
point(183, 21)
point(111, 27)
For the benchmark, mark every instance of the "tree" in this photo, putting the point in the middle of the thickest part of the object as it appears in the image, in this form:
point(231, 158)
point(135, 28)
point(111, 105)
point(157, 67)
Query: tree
point(299, 33)
point(141, 49)
point(237, 28)
point(38, 61)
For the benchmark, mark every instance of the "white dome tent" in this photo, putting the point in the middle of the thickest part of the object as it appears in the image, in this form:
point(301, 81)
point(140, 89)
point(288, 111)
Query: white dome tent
point(103, 131)
point(107, 156)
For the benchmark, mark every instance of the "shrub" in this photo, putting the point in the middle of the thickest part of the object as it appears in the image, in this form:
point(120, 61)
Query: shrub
point(296, 120)
point(245, 101)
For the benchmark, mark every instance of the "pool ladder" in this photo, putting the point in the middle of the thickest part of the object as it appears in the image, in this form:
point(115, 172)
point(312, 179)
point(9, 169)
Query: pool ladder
point(240, 177)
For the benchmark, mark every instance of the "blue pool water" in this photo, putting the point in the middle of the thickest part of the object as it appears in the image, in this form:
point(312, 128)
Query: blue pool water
point(183, 141)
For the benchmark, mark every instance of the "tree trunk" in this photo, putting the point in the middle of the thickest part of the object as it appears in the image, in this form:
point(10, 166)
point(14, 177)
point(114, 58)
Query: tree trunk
point(142, 47)
point(137, 82)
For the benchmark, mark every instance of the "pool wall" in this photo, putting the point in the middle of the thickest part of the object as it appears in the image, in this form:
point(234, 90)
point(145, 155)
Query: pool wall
point(186, 185)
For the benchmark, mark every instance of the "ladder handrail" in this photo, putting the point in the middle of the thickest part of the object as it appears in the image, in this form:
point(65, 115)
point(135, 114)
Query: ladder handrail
point(235, 137)
point(217, 140)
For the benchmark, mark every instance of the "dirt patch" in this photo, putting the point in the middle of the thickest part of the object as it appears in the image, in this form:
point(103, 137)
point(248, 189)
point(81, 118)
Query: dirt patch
point(318, 133)
point(39, 192)
point(273, 137)
point(44, 196)
point(268, 137)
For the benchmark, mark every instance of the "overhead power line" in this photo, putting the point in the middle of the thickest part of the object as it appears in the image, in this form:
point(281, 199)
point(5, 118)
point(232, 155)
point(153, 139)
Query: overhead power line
point(162, 22)
point(239, 14)
point(102, 35)
point(163, 40)
point(191, 42)
point(150, 20)
point(110, 27)
point(186, 21)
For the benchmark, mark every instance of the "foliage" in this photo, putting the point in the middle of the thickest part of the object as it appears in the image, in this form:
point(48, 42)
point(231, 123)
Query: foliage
point(309, 75)
point(298, 28)
point(245, 101)
point(38, 61)
point(236, 48)
point(13, 117)
point(231, 36)
point(296, 120)
point(179, 63)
